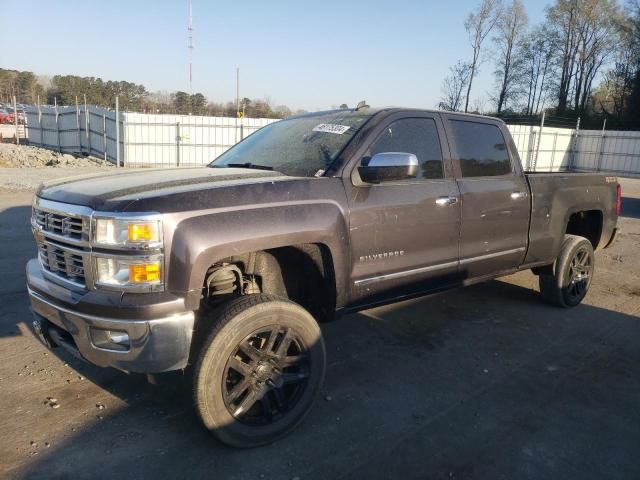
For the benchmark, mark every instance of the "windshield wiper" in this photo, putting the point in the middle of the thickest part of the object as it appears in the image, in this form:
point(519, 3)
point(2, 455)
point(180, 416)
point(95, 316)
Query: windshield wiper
point(249, 165)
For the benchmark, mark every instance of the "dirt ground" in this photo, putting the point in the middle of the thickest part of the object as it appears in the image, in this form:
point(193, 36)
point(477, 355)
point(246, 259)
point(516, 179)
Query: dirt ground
point(485, 382)
point(27, 156)
point(30, 178)
point(25, 167)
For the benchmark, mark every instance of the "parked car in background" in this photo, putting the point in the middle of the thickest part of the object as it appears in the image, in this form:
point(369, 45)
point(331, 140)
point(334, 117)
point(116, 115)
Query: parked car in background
point(6, 116)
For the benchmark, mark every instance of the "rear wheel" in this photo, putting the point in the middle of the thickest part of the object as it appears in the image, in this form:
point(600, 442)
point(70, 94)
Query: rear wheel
point(572, 273)
point(259, 371)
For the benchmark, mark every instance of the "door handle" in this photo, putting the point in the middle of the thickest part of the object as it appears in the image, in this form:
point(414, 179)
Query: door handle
point(446, 201)
point(518, 195)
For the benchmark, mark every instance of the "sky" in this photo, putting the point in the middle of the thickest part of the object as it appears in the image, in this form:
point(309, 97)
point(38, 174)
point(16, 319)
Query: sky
point(306, 55)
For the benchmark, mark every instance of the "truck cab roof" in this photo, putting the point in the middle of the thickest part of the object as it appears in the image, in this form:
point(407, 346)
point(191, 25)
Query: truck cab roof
point(386, 111)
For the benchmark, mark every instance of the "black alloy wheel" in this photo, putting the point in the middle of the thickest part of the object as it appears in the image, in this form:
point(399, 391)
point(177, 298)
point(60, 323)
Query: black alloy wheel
point(266, 375)
point(580, 270)
point(569, 279)
point(259, 371)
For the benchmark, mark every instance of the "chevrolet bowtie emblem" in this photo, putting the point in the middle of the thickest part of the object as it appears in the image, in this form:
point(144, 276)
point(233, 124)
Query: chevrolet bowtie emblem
point(47, 221)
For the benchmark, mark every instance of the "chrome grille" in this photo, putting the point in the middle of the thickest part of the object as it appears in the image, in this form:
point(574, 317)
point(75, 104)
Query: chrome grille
point(62, 262)
point(62, 232)
point(59, 223)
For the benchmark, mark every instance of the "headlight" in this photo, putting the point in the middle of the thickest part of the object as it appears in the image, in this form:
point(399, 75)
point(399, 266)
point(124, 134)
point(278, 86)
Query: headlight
point(140, 233)
point(130, 273)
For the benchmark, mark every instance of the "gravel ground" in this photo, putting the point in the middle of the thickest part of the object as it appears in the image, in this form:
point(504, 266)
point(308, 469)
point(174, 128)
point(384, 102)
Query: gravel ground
point(26, 167)
point(485, 382)
point(30, 178)
point(21, 156)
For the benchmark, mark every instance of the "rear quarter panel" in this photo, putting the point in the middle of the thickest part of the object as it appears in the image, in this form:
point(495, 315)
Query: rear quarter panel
point(554, 198)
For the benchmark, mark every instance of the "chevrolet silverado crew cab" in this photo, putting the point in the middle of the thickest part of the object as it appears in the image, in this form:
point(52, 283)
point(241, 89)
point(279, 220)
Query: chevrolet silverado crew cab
point(226, 270)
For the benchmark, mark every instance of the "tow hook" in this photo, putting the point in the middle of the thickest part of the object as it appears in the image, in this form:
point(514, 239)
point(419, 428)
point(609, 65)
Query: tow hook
point(41, 333)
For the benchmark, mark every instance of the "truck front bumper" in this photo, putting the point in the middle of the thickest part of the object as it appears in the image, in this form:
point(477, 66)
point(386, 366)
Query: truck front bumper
point(144, 345)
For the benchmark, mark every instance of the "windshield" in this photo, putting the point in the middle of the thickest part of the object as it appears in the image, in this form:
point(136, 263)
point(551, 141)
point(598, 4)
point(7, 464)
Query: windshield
point(303, 146)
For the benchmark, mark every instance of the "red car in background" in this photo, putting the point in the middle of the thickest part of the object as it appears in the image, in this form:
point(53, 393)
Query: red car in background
point(6, 116)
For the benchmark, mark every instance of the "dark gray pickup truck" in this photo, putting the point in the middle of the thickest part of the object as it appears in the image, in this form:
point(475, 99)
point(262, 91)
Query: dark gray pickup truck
point(225, 271)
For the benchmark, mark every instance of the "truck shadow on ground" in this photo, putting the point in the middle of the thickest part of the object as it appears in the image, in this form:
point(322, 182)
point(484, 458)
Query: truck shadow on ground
point(17, 247)
point(481, 382)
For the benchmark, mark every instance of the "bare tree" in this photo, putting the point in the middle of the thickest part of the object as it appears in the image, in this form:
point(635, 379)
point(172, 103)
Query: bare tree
point(479, 105)
point(511, 28)
point(596, 24)
point(478, 26)
point(453, 87)
point(562, 18)
point(585, 29)
point(282, 111)
point(538, 69)
point(614, 92)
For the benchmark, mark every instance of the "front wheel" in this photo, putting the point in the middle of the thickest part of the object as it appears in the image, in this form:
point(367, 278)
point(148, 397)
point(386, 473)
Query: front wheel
point(259, 371)
point(572, 273)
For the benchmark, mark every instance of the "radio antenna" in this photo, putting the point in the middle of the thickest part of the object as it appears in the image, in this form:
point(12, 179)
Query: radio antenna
point(190, 46)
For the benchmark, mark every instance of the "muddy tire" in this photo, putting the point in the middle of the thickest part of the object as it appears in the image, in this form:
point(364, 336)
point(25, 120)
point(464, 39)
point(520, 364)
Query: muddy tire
point(259, 371)
point(572, 273)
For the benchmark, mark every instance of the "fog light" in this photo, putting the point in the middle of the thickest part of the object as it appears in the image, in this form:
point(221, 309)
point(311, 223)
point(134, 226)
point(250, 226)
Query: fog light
point(118, 337)
point(110, 339)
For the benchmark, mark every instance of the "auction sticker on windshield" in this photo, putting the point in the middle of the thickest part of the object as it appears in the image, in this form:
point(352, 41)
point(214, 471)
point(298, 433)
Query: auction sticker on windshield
point(331, 128)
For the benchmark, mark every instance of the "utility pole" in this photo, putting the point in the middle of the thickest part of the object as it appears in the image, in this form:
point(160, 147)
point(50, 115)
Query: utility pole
point(237, 100)
point(237, 91)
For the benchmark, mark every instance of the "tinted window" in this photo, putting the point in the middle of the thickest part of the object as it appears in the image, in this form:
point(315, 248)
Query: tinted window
point(481, 149)
point(413, 135)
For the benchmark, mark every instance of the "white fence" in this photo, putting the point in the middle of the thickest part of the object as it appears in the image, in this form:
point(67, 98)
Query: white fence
point(170, 140)
point(562, 149)
point(183, 140)
point(144, 139)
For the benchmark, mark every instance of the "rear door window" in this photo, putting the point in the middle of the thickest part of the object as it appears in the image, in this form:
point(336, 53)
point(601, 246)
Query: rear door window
point(481, 149)
point(413, 135)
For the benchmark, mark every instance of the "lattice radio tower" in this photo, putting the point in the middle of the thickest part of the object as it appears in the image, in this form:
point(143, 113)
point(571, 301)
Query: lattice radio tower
point(190, 32)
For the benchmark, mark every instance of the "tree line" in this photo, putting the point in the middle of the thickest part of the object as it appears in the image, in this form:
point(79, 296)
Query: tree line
point(29, 88)
point(582, 60)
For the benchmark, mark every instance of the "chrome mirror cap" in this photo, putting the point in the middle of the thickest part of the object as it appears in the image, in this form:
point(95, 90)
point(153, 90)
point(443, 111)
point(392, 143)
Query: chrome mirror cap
point(393, 159)
point(389, 167)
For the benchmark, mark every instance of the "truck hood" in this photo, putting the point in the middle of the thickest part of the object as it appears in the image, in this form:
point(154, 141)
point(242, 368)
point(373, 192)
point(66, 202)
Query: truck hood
point(116, 191)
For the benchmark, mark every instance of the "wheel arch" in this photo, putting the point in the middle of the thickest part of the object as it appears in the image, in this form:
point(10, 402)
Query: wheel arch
point(587, 223)
point(583, 222)
point(303, 273)
point(318, 231)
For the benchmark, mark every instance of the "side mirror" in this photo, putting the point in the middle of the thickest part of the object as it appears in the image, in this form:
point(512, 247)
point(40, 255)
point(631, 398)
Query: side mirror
point(388, 167)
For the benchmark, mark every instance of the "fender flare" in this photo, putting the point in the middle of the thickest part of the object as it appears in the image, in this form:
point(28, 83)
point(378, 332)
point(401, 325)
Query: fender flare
point(200, 241)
